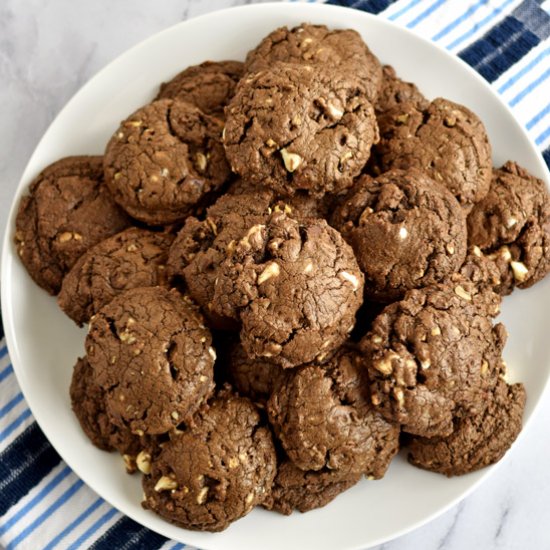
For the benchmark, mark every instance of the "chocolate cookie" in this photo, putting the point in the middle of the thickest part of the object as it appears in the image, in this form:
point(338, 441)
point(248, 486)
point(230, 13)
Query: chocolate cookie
point(323, 417)
point(511, 225)
point(67, 210)
point(164, 160)
point(435, 355)
point(209, 86)
point(395, 91)
point(253, 378)
point(295, 489)
point(298, 127)
point(133, 258)
point(295, 287)
point(215, 470)
point(480, 269)
point(340, 50)
point(88, 404)
point(476, 441)
point(406, 230)
point(445, 140)
point(202, 245)
point(151, 353)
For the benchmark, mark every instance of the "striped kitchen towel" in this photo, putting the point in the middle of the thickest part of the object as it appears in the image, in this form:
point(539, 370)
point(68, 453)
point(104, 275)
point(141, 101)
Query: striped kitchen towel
point(43, 504)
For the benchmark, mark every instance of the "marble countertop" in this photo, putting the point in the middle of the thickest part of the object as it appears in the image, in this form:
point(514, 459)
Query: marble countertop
point(44, 61)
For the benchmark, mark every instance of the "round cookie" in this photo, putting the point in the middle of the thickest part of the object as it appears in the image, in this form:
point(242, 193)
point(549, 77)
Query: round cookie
point(88, 404)
point(476, 441)
point(445, 140)
point(295, 287)
point(340, 50)
point(130, 259)
point(395, 91)
point(298, 127)
point(152, 354)
point(215, 470)
point(406, 230)
point(253, 378)
point(511, 225)
point(209, 86)
point(306, 490)
point(323, 418)
point(164, 161)
point(67, 210)
point(433, 356)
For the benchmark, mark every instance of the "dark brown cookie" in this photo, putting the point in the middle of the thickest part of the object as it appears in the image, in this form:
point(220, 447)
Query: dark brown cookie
point(445, 140)
point(395, 91)
point(253, 378)
point(68, 210)
point(476, 441)
point(295, 489)
point(209, 86)
point(214, 471)
point(130, 259)
point(295, 287)
point(324, 419)
point(164, 160)
point(152, 354)
point(88, 404)
point(406, 230)
point(337, 50)
point(435, 355)
point(511, 225)
point(202, 245)
point(298, 127)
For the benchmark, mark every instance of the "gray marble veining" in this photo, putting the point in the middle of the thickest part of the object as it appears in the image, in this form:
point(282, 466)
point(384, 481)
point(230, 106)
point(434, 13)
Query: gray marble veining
point(48, 49)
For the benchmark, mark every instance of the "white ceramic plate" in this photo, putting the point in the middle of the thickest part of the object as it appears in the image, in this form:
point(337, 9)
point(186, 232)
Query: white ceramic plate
point(44, 344)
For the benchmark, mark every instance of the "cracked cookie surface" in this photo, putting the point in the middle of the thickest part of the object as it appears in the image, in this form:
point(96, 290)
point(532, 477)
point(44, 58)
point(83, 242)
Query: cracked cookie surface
point(164, 161)
point(299, 127)
point(476, 441)
point(67, 210)
point(209, 86)
point(294, 286)
point(130, 259)
point(215, 470)
point(152, 355)
point(394, 91)
point(406, 230)
point(435, 355)
point(324, 419)
point(446, 140)
point(511, 226)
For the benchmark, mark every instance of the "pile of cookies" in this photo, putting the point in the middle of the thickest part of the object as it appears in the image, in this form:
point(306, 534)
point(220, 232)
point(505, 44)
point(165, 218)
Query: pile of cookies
point(290, 268)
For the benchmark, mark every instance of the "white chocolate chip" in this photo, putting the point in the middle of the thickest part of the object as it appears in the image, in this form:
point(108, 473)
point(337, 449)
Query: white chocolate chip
point(65, 236)
point(201, 161)
point(271, 143)
point(143, 461)
point(203, 378)
point(120, 135)
point(135, 123)
point(166, 483)
point(233, 463)
point(334, 112)
point(399, 396)
point(164, 172)
point(308, 268)
point(212, 353)
point(175, 415)
point(131, 248)
point(436, 331)
point(350, 278)
point(403, 233)
point(459, 291)
point(384, 365)
point(291, 160)
point(476, 251)
point(272, 270)
point(484, 368)
point(201, 497)
point(450, 248)
point(129, 462)
point(510, 222)
point(249, 498)
point(426, 364)
point(519, 270)
point(376, 339)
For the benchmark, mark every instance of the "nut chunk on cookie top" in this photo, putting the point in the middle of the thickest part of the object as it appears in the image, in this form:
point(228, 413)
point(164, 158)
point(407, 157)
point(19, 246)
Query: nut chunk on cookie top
point(338, 50)
point(511, 225)
point(295, 287)
point(324, 419)
point(164, 160)
point(152, 354)
point(215, 470)
point(435, 355)
point(406, 230)
point(68, 210)
point(299, 127)
point(476, 441)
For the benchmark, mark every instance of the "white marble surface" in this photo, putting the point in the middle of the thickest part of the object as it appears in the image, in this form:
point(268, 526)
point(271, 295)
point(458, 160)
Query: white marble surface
point(48, 49)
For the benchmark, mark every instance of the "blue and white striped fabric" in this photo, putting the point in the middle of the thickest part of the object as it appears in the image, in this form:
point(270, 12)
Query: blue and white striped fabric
point(44, 504)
